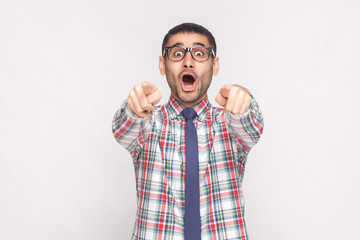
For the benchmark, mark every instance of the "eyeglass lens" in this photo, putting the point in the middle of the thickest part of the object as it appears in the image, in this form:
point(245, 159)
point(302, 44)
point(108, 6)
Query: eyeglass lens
point(198, 53)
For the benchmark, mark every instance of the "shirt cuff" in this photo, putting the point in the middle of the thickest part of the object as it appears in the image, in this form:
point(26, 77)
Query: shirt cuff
point(129, 113)
point(245, 114)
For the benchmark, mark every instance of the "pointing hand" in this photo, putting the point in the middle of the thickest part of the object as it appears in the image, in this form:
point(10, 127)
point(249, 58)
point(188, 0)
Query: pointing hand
point(142, 99)
point(234, 99)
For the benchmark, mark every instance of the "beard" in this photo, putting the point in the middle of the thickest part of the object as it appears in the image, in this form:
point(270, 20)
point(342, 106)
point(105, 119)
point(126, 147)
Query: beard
point(189, 97)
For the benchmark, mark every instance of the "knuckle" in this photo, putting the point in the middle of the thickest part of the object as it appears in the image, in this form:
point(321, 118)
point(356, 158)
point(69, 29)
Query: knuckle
point(147, 107)
point(142, 105)
point(132, 94)
point(130, 103)
point(143, 102)
point(137, 88)
point(139, 109)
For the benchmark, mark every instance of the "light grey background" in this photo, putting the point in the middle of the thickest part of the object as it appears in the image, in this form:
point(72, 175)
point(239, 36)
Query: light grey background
point(66, 66)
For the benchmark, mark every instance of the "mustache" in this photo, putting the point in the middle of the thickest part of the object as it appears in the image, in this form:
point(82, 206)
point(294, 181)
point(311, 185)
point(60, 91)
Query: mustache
point(187, 71)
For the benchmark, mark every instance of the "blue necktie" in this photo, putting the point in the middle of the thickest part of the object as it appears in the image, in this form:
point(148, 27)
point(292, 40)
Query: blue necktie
point(192, 196)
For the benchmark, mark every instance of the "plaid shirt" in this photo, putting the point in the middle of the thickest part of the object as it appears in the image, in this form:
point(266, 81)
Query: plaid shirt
point(157, 146)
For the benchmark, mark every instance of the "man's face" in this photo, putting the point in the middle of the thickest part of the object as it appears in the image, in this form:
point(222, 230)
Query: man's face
point(188, 79)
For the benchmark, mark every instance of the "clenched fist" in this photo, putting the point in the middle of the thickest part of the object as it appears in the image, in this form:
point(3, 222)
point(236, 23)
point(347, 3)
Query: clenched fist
point(142, 99)
point(234, 99)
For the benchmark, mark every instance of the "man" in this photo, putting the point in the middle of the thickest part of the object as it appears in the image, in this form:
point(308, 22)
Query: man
point(189, 156)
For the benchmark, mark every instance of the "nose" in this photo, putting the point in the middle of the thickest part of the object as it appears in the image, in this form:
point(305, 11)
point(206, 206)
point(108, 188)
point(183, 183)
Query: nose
point(188, 61)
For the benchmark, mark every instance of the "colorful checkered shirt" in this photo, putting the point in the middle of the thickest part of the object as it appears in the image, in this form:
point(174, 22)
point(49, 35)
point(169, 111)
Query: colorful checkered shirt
point(157, 147)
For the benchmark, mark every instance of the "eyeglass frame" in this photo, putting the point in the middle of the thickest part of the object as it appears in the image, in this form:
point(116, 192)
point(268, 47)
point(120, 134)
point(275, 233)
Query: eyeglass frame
point(166, 50)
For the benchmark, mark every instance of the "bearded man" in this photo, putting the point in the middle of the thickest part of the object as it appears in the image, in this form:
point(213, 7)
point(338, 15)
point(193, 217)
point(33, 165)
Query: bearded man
point(189, 157)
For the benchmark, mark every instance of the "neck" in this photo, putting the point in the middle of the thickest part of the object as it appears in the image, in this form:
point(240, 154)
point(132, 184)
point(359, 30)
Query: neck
point(190, 104)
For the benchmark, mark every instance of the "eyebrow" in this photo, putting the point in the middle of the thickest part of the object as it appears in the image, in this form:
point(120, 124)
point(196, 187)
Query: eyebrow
point(201, 44)
point(181, 44)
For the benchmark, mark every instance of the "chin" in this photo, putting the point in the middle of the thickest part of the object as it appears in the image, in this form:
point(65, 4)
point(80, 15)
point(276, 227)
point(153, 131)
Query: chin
point(190, 94)
point(189, 100)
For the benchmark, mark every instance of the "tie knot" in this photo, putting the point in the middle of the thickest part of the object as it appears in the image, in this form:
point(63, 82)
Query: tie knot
point(188, 113)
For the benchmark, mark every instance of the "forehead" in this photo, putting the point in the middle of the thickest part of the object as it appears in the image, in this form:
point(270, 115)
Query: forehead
point(188, 39)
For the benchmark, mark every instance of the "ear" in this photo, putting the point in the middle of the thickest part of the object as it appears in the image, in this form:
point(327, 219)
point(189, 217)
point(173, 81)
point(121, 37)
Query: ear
point(216, 65)
point(162, 65)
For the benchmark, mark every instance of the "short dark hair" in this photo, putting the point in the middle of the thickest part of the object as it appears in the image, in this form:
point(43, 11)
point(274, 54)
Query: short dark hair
point(189, 28)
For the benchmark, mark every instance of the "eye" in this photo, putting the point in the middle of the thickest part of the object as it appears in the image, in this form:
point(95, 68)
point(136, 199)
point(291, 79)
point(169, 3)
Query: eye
point(178, 53)
point(198, 53)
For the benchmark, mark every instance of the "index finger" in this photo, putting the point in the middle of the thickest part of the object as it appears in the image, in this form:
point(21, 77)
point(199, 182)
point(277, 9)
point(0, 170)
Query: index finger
point(225, 91)
point(148, 88)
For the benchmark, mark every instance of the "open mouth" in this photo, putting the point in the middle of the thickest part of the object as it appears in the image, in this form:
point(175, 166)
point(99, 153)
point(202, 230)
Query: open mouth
point(188, 82)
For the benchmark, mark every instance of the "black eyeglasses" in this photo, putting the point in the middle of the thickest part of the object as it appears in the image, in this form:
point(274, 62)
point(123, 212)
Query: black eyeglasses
point(199, 54)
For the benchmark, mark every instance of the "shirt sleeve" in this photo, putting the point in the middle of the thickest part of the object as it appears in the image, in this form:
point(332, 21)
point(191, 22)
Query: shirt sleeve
point(246, 128)
point(130, 130)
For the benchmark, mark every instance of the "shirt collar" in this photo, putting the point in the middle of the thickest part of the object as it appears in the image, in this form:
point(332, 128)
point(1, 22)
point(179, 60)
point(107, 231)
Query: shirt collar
point(175, 108)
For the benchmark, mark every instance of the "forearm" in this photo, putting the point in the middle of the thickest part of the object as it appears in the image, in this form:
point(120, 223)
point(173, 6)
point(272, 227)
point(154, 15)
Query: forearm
point(130, 130)
point(248, 127)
